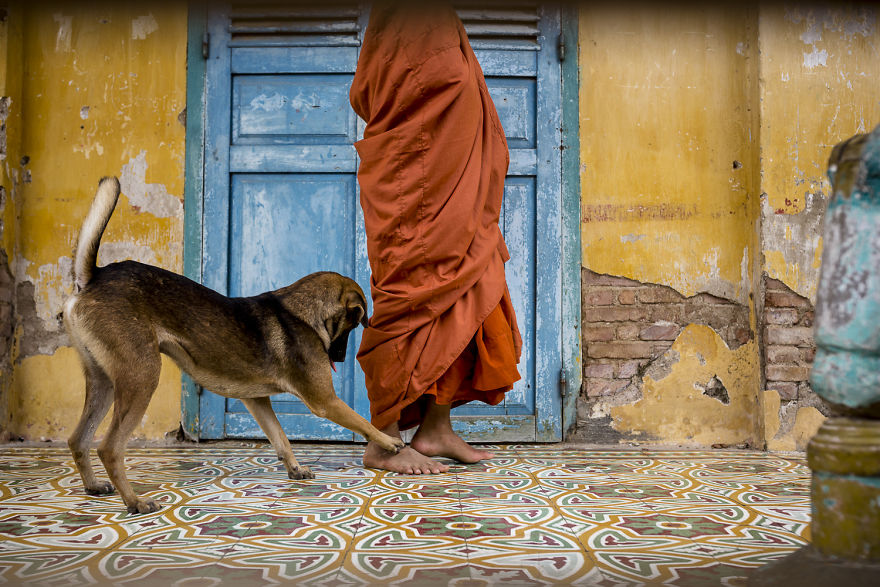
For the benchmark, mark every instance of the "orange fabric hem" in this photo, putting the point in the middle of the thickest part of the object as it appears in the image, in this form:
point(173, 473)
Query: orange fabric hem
point(485, 371)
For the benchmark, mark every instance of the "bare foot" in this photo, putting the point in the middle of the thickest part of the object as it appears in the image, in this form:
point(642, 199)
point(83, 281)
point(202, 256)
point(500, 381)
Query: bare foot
point(447, 444)
point(436, 438)
point(407, 461)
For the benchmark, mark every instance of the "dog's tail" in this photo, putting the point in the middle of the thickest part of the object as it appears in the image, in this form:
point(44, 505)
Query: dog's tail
point(92, 229)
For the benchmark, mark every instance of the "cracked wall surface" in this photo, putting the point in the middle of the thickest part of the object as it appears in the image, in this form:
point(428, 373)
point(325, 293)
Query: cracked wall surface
point(660, 367)
point(819, 87)
point(670, 225)
point(793, 411)
point(704, 150)
point(103, 86)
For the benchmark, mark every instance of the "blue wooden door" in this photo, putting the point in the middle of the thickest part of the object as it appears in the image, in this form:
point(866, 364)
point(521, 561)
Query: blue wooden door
point(281, 195)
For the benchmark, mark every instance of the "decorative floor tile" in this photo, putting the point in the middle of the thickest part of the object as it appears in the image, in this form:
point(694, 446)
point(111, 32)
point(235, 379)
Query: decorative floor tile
point(655, 566)
point(534, 515)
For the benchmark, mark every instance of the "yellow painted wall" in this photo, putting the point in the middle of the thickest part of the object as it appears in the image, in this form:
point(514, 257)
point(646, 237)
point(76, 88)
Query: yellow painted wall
point(666, 110)
point(670, 97)
point(820, 84)
point(103, 88)
point(669, 181)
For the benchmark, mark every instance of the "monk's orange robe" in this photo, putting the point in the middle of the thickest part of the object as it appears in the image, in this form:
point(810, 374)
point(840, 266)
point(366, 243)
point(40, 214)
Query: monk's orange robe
point(433, 162)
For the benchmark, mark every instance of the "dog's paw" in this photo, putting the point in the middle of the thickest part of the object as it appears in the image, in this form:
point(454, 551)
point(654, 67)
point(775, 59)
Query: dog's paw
point(392, 445)
point(100, 488)
point(143, 506)
point(301, 472)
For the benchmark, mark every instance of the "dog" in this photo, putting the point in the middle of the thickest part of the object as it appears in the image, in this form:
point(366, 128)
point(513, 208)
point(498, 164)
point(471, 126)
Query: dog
point(123, 315)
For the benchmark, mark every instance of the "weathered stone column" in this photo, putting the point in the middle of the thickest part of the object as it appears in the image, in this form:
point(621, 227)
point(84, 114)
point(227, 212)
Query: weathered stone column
point(844, 455)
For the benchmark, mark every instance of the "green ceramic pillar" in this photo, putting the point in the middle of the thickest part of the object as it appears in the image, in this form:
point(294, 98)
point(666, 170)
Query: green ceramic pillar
point(844, 455)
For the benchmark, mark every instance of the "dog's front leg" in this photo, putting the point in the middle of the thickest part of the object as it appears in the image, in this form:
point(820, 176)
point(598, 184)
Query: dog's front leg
point(336, 410)
point(261, 409)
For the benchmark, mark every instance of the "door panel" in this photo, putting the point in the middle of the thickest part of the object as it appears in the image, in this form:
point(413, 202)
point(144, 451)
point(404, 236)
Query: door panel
point(291, 109)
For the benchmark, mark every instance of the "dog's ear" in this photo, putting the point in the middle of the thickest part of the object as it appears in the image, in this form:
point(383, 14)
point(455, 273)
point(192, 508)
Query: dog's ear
point(355, 307)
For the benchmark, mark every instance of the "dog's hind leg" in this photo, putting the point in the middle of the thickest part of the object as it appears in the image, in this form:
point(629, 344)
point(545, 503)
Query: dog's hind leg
point(261, 409)
point(135, 380)
point(99, 398)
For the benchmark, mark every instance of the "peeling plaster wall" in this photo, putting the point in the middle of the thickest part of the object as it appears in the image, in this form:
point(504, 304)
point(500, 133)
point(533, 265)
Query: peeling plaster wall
point(792, 410)
point(705, 136)
point(669, 162)
point(103, 87)
point(819, 85)
point(635, 336)
point(670, 209)
point(698, 362)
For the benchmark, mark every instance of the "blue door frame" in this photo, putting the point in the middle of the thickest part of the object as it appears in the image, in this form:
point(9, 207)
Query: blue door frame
point(556, 258)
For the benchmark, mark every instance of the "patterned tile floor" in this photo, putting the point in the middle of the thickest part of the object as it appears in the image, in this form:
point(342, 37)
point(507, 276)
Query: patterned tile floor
point(534, 515)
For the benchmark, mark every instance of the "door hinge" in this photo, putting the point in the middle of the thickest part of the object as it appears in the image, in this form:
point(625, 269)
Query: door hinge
point(206, 45)
point(563, 384)
point(560, 46)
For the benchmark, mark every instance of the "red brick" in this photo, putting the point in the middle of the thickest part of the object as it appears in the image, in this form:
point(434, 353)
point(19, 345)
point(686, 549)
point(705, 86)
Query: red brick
point(628, 331)
point(784, 316)
point(809, 354)
point(787, 372)
point(628, 369)
point(787, 391)
point(791, 335)
point(601, 370)
point(591, 278)
point(598, 387)
point(626, 296)
point(599, 297)
point(784, 354)
point(659, 347)
point(615, 314)
point(597, 333)
point(771, 284)
point(666, 313)
point(619, 350)
point(786, 300)
point(659, 295)
point(742, 335)
point(807, 319)
point(660, 331)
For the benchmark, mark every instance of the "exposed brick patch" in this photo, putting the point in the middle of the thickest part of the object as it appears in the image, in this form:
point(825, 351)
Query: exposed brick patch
point(628, 324)
point(788, 345)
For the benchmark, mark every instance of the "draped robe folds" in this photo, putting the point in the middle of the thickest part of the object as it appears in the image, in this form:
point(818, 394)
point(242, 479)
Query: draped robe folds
point(433, 162)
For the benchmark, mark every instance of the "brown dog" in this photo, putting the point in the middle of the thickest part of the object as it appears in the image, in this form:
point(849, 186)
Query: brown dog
point(125, 314)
